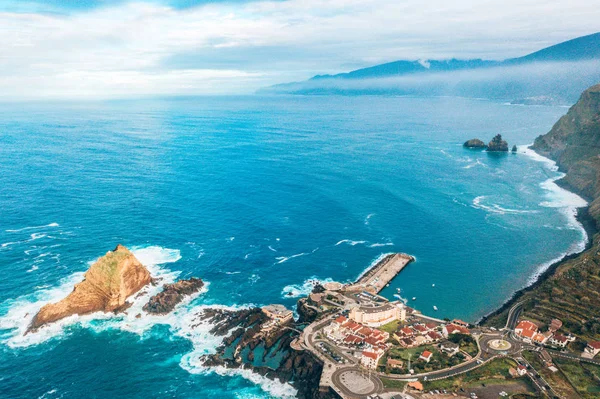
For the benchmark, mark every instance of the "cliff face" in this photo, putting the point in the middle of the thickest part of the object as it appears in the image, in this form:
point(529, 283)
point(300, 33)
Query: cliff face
point(106, 286)
point(574, 143)
point(570, 291)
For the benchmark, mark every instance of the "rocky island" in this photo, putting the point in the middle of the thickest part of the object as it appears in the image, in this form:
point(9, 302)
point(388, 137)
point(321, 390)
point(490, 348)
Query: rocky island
point(474, 143)
point(106, 286)
point(497, 144)
point(172, 294)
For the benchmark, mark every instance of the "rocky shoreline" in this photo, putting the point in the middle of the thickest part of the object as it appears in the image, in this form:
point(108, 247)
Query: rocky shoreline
point(251, 343)
point(568, 289)
point(587, 221)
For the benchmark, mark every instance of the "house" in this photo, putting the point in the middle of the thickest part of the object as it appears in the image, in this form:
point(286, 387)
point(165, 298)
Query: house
point(526, 325)
point(426, 356)
point(539, 338)
point(460, 323)
point(513, 372)
point(559, 340)
point(406, 332)
point(431, 326)
point(278, 313)
point(434, 336)
point(555, 325)
point(420, 328)
point(416, 385)
point(592, 348)
point(408, 342)
point(449, 348)
point(370, 359)
point(450, 329)
point(522, 370)
point(394, 364)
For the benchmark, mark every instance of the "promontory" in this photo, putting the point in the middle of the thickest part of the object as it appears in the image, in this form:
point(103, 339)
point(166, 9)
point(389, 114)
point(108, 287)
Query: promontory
point(106, 286)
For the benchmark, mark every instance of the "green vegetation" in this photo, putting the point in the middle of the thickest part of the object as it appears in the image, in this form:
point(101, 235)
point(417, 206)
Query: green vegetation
point(557, 381)
point(584, 377)
point(571, 293)
point(494, 372)
point(393, 384)
point(466, 342)
point(438, 360)
point(390, 327)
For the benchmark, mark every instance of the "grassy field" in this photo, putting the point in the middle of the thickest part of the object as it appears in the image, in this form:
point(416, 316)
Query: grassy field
point(492, 373)
point(390, 327)
point(584, 377)
point(393, 384)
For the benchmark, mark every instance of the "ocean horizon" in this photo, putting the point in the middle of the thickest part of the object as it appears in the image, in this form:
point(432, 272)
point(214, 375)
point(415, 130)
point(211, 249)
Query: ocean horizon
point(260, 197)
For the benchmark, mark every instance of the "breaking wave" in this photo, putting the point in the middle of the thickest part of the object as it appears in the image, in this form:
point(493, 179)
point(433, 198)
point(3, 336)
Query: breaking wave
point(558, 197)
point(495, 208)
point(17, 314)
point(299, 290)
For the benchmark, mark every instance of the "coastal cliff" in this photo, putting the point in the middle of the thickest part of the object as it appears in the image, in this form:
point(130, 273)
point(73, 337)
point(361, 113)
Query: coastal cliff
point(251, 342)
point(107, 284)
point(569, 289)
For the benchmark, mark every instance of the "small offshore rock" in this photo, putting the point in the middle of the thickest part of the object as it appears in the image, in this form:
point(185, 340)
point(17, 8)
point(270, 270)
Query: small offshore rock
point(474, 143)
point(172, 294)
point(497, 144)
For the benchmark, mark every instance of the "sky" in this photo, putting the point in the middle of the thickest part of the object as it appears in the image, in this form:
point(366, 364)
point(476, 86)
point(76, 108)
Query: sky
point(119, 48)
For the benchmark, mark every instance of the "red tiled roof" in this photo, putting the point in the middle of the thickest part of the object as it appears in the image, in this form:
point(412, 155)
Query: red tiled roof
point(370, 355)
point(560, 338)
point(431, 325)
point(453, 328)
point(526, 325)
point(594, 344)
point(528, 334)
point(426, 354)
point(340, 319)
point(407, 331)
point(420, 327)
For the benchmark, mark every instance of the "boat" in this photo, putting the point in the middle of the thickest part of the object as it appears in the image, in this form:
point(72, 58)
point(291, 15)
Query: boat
point(397, 296)
point(398, 290)
point(414, 298)
point(435, 308)
point(433, 285)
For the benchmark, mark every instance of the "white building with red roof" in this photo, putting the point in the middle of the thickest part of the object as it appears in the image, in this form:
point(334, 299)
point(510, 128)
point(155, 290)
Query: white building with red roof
point(370, 359)
point(450, 329)
point(426, 356)
point(592, 349)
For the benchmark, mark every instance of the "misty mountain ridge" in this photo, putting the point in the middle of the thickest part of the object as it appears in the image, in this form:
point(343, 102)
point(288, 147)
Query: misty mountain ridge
point(553, 75)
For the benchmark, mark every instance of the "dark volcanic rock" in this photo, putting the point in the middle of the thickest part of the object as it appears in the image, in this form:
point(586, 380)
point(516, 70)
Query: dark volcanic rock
point(306, 313)
point(497, 144)
point(244, 335)
point(474, 143)
point(172, 294)
point(514, 149)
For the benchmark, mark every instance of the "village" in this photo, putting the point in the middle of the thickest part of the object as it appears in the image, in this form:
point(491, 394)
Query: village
point(371, 346)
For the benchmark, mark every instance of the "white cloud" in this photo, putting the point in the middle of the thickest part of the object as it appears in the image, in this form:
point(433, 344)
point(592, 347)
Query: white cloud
point(130, 49)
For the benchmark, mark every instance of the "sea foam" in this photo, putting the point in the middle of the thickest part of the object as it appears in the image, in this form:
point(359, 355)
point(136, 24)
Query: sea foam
point(558, 197)
point(17, 314)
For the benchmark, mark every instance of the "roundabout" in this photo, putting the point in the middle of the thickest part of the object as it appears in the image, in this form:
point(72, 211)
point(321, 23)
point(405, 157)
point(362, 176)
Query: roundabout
point(499, 345)
point(356, 382)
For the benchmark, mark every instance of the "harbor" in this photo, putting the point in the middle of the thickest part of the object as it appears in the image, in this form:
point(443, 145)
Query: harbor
point(381, 273)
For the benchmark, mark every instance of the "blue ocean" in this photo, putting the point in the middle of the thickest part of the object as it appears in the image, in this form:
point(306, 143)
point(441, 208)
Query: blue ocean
point(259, 197)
